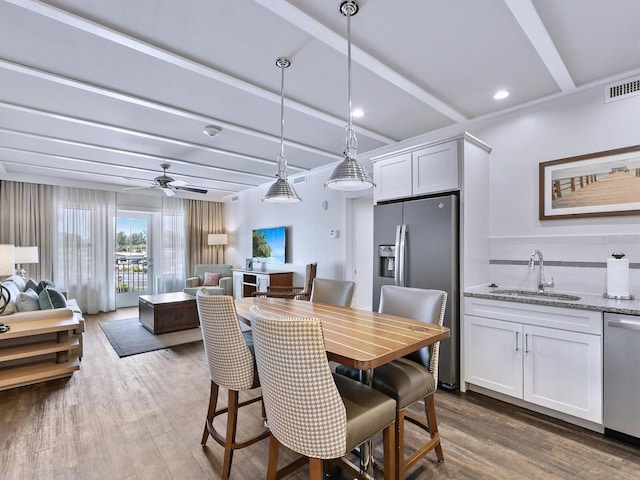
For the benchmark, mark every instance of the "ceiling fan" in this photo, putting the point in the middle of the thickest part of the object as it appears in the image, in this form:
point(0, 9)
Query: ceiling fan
point(168, 185)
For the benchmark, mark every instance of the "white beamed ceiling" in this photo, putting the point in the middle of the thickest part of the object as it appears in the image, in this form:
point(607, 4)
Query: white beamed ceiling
point(100, 93)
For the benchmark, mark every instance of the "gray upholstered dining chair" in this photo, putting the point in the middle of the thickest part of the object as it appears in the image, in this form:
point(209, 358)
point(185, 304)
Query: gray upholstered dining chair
point(231, 366)
point(414, 377)
point(334, 292)
point(309, 410)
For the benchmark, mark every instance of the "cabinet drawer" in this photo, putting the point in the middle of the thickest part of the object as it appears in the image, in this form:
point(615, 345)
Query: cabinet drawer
point(584, 321)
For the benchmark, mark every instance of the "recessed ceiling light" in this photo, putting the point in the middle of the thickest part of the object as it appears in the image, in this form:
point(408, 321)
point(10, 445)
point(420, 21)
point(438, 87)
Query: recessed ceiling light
point(357, 113)
point(211, 130)
point(500, 94)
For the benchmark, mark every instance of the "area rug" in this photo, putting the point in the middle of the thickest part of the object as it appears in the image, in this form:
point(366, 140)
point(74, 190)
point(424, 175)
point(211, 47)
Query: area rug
point(128, 337)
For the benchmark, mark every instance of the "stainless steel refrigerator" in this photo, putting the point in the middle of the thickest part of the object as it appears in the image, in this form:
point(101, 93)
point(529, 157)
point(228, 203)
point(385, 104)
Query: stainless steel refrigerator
point(416, 245)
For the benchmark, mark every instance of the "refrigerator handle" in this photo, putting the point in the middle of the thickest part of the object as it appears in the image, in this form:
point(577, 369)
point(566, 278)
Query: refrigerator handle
point(401, 260)
point(396, 267)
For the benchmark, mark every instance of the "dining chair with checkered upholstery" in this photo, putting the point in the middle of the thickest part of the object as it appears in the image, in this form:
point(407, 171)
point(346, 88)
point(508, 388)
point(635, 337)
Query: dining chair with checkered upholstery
point(413, 377)
point(309, 410)
point(231, 366)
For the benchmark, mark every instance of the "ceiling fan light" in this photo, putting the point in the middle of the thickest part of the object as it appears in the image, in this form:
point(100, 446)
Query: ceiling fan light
point(281, 192)
point(349, 175)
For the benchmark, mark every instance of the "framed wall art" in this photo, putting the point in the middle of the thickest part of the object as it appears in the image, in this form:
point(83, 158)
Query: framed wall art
point(592, 185)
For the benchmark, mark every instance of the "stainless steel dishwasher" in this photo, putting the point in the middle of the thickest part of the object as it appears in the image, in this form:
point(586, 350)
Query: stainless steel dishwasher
point(621, 400)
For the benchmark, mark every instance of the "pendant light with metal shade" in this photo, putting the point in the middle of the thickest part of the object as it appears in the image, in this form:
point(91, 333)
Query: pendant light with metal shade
point(281, 191)
point(349, 174)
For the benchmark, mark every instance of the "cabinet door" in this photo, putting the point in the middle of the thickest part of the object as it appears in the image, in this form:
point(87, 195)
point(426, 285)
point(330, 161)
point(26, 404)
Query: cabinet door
point(563, 371)
point(392, 177)
point(435, 169)
point(493, 354)
point(238, 279)
point(262, 283)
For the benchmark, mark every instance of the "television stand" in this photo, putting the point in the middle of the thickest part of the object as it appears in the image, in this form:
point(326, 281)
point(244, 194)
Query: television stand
point(245, 282)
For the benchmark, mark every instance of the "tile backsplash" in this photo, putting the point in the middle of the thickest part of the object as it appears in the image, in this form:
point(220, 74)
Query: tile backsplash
point(578, 263)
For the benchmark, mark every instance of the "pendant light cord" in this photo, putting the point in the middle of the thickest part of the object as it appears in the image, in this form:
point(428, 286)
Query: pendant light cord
point(351, 142)
point(282, 67)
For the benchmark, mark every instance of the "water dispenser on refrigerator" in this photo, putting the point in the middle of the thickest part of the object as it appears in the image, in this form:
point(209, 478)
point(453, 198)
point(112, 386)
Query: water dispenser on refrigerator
point(386, 260)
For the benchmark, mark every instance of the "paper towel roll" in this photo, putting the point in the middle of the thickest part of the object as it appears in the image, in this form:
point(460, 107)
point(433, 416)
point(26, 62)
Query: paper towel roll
point(617, 277)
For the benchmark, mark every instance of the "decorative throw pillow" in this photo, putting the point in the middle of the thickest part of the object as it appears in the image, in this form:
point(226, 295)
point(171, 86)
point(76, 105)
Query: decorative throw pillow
point(43, 284)
point(18, 280)
point(27, 301)
point(50, 298)
point(211, 279)
point(31, 284)
point(13, 294)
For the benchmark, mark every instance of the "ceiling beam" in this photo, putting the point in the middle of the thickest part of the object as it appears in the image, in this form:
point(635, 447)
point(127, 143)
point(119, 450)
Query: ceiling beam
point(529, 20)
point(137, 133)
point(308, 24)
point(176, 60)
point(118, 151)
point(66, 158)
point(160, 107)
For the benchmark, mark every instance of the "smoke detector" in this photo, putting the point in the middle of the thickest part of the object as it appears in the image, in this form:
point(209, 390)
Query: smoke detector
point(211, 130)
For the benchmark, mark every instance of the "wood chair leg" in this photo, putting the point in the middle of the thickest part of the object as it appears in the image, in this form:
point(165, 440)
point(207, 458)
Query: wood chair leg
point(213, 402)
point(399, 445)
point(274, 449)
point(315, 468)
point(430, 410)
point(232, 421)
point(389, 444)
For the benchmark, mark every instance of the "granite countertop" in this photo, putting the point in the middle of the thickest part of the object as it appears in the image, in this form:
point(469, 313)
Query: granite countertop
point(586, 302)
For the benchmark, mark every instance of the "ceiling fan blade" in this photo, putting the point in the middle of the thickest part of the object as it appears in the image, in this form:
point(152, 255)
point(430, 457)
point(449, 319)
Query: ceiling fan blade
point(168, 192)
point(178, 183)
point(191, 189)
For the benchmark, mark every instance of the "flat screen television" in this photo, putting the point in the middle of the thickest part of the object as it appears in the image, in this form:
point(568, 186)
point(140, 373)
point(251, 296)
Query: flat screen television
point(270, 245)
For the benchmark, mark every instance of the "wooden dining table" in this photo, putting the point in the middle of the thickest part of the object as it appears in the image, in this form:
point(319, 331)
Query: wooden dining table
point(357, 338)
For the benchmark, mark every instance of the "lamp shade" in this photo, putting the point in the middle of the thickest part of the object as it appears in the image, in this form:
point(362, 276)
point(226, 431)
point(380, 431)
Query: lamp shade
point(349, 175)
point(217, 239)
point(7, 259)
point(27, 255)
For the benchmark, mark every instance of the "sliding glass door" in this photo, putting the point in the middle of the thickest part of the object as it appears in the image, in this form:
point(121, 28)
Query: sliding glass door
point(132, 260)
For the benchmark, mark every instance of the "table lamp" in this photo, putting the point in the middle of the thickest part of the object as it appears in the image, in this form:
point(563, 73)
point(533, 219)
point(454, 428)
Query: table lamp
point(218, 239)
point(25, 255)
point(7, 261)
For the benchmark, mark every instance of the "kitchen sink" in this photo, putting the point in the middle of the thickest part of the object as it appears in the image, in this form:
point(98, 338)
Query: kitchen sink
point(535, 294)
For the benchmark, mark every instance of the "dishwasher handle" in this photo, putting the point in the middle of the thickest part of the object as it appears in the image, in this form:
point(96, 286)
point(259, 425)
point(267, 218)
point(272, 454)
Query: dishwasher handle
point(626, 323)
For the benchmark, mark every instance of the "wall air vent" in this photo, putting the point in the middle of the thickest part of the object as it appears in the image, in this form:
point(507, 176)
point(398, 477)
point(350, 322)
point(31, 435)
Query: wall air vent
point(235, 199)
point(622, 89)
point(300, 179)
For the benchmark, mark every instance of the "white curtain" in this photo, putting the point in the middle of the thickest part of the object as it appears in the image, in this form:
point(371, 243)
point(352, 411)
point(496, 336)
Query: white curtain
point(171, 267)
point(83, 246)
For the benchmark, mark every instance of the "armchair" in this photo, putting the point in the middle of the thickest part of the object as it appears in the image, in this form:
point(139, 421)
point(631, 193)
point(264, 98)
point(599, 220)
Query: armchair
point(195, 283)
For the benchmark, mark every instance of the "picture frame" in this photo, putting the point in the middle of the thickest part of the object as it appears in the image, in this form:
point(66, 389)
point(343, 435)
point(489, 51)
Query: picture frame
point(597, 184)
point(248, 263)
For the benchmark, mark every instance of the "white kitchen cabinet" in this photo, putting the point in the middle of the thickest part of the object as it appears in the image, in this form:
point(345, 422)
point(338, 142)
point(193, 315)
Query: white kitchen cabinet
point(392, 177)
point(423, 171)
point(435, 169)
point(516, 350)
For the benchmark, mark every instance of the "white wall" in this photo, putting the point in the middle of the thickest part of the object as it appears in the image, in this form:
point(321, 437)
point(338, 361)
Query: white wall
point(308, 227)
point(574, 125)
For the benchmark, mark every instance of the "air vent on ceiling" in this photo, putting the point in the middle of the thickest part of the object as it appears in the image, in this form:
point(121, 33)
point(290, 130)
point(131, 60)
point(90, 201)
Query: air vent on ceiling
point(300, 179)
point(622, 89)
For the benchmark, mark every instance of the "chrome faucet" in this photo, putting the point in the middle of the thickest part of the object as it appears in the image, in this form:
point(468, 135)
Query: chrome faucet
point(541, 281)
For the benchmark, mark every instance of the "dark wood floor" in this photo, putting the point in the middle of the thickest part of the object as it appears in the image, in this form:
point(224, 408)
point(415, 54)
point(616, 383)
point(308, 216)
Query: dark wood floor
point(141, 417)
